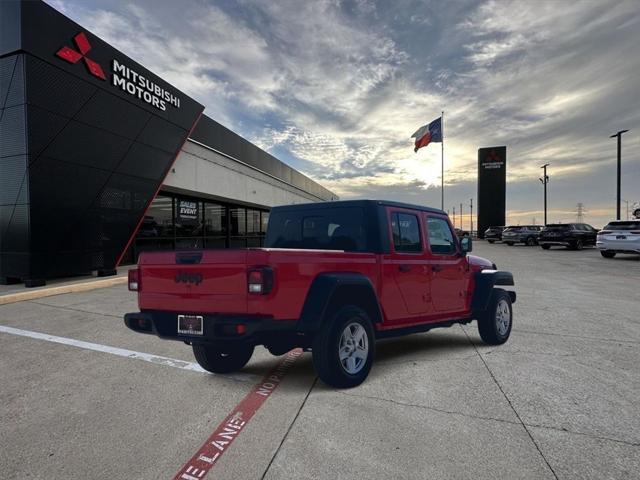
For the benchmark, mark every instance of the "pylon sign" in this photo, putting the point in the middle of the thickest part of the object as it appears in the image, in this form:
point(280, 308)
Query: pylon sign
point(492, 176)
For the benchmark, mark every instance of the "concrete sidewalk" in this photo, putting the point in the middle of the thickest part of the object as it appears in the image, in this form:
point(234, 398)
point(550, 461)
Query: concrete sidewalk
point(18, 293)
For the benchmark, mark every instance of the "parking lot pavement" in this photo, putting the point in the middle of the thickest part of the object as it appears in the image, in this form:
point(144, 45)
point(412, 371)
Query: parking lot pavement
point(559, 400)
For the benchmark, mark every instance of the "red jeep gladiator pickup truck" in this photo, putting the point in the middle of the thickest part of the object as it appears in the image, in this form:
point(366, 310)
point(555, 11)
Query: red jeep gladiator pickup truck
point(333, 278)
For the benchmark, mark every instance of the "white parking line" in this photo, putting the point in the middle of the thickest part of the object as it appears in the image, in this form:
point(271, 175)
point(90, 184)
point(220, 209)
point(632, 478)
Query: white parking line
point(122, 352)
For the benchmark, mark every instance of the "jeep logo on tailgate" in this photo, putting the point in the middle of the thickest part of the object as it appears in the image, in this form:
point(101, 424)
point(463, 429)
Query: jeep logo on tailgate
point(185, 277)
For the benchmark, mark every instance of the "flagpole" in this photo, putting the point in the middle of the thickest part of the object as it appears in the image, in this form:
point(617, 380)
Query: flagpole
point(442, 172)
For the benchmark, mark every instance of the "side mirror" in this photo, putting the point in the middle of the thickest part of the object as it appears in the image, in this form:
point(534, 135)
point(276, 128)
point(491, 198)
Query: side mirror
point(466, 245)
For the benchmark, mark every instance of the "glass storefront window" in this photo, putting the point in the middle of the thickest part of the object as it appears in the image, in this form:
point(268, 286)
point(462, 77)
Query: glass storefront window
point(215, 220)
point(180, 222)
point(188, 218)
point(253, 221)
point(238, 221)
point(158, 221)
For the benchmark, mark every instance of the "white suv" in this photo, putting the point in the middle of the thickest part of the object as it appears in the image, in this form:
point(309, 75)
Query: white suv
point(620, 236)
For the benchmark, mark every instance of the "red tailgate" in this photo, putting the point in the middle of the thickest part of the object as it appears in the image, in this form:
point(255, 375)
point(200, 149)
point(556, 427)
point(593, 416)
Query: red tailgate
point(213, 281)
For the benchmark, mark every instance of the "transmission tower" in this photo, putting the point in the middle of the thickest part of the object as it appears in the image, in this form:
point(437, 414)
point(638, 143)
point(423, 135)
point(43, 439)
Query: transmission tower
point(580, 211)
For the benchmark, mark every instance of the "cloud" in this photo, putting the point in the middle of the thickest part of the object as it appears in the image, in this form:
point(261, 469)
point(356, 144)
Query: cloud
point(336, 88)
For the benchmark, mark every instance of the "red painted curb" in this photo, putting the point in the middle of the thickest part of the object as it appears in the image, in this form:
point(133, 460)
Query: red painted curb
point(224, 435)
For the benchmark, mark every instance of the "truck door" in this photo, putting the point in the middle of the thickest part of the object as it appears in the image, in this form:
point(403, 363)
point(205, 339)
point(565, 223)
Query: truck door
point(405, 285)
point(449, 277)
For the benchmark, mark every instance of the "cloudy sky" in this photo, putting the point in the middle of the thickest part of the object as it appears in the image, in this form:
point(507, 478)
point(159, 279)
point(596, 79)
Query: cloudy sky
point(336, 88)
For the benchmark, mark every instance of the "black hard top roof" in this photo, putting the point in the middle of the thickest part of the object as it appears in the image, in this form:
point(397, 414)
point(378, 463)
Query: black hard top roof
point(358, 203)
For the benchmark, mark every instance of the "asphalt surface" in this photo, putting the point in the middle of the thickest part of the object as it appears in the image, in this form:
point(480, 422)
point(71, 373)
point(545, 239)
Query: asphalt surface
point(559, 400)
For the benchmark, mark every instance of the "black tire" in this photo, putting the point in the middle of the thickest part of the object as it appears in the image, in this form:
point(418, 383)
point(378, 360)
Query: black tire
point(607, 253)
point(216, 360)
point(491, 330)
point(491, 241)
point(509, 243)
point(326, 348)
point(545, 246)
point(577, 245)
point(530, 242)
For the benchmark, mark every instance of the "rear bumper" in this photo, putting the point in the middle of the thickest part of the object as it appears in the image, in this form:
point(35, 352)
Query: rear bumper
point(259, 329)
point(618, 246)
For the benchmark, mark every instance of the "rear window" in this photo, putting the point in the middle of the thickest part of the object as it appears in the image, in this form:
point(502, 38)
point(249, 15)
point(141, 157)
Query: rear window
point(558, 228)
point(630, 225)
point(321, 229)
point(513, 229)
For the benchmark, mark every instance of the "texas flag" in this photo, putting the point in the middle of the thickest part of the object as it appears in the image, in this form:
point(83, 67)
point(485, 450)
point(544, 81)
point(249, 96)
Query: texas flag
point(428, 133)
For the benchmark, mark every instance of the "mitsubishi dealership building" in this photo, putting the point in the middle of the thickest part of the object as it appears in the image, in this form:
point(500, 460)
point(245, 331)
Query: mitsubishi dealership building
point(101, 159)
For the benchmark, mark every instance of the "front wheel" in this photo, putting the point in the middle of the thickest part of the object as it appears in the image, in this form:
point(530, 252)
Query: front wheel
point(343, 348)
point(545, 246)
point(494, 324)
point(578, 245)
point(216, 360)
point(531, 242)
point(607, 253)
point(491, 241)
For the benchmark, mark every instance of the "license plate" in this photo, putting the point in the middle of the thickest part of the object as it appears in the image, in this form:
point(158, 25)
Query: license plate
point(190, 324)
point(621, 237)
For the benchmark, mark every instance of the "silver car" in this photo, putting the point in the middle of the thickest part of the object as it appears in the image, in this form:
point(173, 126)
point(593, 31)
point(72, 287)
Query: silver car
point(619, 236)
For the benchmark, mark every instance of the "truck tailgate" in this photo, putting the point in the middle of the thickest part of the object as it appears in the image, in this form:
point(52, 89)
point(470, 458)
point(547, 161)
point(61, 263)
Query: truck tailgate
point(213, 281)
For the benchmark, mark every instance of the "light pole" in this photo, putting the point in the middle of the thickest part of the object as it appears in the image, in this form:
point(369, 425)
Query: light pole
point(619, 135)
point(471, 215)
point(545, 180)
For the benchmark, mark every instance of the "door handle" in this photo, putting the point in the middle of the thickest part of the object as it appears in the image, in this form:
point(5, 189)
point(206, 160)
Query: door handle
point(436, 268)
point(404, 268)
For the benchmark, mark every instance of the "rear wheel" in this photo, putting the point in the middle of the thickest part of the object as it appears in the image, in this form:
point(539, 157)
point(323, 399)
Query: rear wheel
point(343, 348)
point(494, 324)
point(577, 245)
point(531, 242)
point(607, 253)
point(227, 360)
point(509, 243)
point(491, 241)
point(545, 246)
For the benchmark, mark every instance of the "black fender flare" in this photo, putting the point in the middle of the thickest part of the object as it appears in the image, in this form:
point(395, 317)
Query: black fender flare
point(329, 286)
point(485, 281)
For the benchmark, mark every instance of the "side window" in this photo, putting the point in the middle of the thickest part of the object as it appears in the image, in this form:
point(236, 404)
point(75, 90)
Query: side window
point(406, 233)
point(440, 236)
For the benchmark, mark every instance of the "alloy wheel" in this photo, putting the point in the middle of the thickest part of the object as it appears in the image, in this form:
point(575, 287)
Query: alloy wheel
point(503, 317)
point(353, 349)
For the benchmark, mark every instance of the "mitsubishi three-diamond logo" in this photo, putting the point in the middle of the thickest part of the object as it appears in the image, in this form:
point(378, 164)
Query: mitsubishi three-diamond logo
point(74, 56)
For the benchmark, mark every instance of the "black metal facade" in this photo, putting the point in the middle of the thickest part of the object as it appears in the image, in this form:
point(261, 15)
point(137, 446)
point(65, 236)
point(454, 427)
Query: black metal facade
point(80, 158)
point(492, 178)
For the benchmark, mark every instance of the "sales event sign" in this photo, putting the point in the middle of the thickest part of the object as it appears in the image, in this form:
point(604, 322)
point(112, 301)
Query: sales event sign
point(188, 211)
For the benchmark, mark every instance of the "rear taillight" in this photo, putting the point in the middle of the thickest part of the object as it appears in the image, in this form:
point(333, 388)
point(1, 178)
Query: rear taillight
point(134, 280)
point(605, 232)
point(260, 280)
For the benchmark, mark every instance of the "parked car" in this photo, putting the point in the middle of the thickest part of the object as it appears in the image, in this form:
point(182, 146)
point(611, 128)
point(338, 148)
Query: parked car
point(619, 237)
point(527, 234)
point(575, 236)
point(334, 278)
point(493, 234)
point(460, 233)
